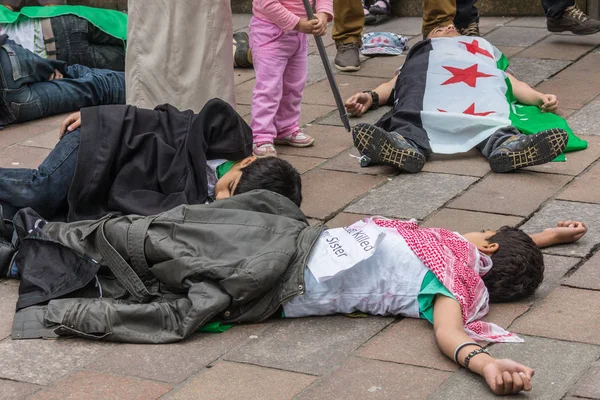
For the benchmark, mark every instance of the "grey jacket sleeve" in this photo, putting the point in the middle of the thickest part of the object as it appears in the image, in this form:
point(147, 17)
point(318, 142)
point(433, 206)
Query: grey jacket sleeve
point(161, 321)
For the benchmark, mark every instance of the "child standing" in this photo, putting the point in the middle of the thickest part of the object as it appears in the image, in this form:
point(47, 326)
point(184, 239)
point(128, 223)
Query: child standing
point(279, 41)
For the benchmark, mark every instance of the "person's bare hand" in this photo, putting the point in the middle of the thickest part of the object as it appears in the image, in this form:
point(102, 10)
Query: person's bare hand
point(55, 75)
point(320, 28)
point(305, 26)
point(568, 231)
point(506, 376)
point(358, 104)
point(549, 102)
point(72, 122)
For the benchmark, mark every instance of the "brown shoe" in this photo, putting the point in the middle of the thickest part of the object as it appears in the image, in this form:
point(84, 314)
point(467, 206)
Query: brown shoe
point(347, 58)
point(471, 30)
point(573, 20)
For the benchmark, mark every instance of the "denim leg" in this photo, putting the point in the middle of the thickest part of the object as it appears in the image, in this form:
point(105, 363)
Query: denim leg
point(44, 189)
point(488, 146)
point(555, 8)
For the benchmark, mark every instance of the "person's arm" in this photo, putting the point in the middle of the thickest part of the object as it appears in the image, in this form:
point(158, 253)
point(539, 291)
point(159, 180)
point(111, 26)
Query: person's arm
point(281, 16)
point(72, 122)
point(525, 94)
point(503, 376)
point(565, 232)
point(359, 103)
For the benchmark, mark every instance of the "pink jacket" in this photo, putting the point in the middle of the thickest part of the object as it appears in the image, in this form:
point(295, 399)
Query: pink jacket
point(286, 13)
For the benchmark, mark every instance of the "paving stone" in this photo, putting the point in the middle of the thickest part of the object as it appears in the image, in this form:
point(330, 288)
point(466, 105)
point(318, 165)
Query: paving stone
point(11, 390)
point(490, 23)
point(565, 112)
point(241, 21)
point(177, 361)
point(369, 379)
point(503, 314)
point(329, 141)
point(241, 75)
point(516, 36)
point(45, 140)
point(316, 70)
point(577, 161)
point(587, 276)
point(370, 117)
point(469, 221)
point(576, 85)
point(243, 109)
point(243, 92)
point(93, 385)
point(52, 122)
point(534, 71)
point(587, 120)
point(9, 293)
point(410, 341)
point(402, 197)
point(226, 380)
point(325, 192)
point(585, 188)
point(519, 193)
point(380, 66)
point(406, 26)
point(566, 313)
point(470, 163)
point(555, 269)
point(531, 22)
point(320, 93)
point(327, 42)
point(557, 210)
point(345, 219)
point(510, 51)
point(562, 47)
point(291, 344)
point(589, 385)
point(557, 366)
point(22, 156)
point(311, 112)
point(45, 361)
point(348, 161)
point(302, 164)
point(16, 133)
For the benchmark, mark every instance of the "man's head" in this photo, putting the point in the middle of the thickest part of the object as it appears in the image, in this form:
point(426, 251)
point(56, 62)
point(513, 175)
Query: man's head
point(268, 173)
point(443, 31)
point(518, 264)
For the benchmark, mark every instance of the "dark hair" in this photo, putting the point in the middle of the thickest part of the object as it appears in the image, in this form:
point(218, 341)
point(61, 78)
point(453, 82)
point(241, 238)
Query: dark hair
point(273, 174)
point(518, 266)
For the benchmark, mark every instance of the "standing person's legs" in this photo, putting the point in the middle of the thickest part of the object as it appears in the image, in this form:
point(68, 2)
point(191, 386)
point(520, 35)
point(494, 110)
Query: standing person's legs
point(563, 15)
point(437, 13)
point(177, 54)
point(467, 18)
point(44, 189)
point(271, 50)
point(288, 115)
point(348, 24)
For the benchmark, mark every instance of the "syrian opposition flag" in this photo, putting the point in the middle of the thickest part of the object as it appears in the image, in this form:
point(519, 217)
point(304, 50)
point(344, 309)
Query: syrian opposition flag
point(456, 91)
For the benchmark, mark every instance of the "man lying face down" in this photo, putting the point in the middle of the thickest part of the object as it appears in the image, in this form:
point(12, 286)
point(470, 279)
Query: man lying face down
point(157, 279)
point(122, 159)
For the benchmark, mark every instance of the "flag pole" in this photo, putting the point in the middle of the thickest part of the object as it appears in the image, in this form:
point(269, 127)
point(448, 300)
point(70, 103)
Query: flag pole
point(334, 89)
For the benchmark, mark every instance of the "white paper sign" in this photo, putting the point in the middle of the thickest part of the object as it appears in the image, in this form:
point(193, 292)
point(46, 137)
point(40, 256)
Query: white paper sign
point(342, 248)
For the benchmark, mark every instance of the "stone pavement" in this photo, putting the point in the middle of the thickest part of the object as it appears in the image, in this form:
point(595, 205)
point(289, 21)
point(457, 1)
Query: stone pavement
point(370, 358)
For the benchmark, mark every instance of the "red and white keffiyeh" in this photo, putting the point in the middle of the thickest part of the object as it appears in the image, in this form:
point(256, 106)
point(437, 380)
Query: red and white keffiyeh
point(458, 265)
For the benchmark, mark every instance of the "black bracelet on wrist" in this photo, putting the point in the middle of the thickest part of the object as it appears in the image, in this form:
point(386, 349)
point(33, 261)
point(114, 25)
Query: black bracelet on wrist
point(374, 98)
point(473, 354)
point(461, 346)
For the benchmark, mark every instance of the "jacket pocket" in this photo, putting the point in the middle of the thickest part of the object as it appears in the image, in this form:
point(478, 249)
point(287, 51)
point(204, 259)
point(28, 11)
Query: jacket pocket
point(27, 111)
point(19, 69)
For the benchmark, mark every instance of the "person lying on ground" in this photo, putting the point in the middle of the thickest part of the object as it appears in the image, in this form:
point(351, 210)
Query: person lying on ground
point(452, 94)
point(32, 87)
point(157, 279)
point(90, 36)
point(128, 160)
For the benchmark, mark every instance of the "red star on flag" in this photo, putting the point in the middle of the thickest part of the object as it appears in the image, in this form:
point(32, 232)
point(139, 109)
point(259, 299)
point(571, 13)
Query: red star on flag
point(468, 75)
point(474, 48)
point(471, 111)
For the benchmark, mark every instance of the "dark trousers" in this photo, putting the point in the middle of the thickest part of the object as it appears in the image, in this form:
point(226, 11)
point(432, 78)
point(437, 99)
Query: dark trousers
point(79, 42)
point(555, 8)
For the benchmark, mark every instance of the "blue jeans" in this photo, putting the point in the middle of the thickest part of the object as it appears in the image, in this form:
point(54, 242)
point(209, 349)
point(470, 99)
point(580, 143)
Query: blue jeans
point(44, 189)
point(27, 93)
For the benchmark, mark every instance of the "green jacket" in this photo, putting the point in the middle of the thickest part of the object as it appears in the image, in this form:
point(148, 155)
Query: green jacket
point(162, 277)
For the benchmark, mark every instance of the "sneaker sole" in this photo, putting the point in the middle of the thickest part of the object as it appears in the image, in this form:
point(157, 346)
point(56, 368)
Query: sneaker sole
point(544, 148)
point(573, 31)
point(265, 155)
point(347, 67)
point(377, 144)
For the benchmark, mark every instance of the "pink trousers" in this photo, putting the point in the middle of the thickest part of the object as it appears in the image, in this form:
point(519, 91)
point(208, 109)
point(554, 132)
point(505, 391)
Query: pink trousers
point(280, 63)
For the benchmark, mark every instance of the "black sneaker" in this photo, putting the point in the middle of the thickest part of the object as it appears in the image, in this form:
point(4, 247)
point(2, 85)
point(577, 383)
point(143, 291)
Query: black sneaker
point(242, 57)
point(471, 30)
point(574, 20)
point(521, 151)
point(387, 148)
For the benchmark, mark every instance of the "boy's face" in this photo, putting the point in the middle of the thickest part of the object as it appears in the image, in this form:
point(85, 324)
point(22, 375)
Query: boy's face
point(480, 239)
point(443, 31)
point(225, 187)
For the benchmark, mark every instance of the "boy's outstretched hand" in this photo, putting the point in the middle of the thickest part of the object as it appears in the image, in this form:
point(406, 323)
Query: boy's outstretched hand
point(72, 122)
point(358, 104)
point(506, 376)
point(568, 231)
